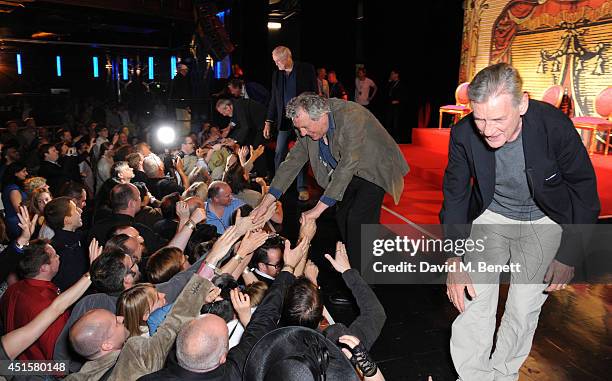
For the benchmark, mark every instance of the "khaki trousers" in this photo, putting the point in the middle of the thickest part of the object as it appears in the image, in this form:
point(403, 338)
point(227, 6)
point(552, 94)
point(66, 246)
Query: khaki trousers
point(532, 245)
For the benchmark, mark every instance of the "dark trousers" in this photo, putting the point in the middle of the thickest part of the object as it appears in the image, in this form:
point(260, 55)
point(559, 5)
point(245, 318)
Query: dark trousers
point(360, 204)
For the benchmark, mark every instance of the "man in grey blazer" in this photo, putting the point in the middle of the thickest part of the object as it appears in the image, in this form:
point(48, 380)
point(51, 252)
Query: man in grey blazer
point(353, 158)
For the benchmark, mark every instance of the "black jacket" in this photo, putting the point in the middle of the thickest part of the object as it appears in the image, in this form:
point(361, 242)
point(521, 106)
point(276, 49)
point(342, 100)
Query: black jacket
point(263, 321)
point(58, 174)
point(306, 80)
point(249, 117)
point(559, 173)
point(102, 228)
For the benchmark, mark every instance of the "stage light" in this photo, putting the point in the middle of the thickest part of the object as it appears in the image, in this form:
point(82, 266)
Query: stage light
point(125, 69)
point(274, 25)
point(18, 64)
point(96, 73)
point(172, 66)
point(58, 65)
point(151, 66)
point(166, 135)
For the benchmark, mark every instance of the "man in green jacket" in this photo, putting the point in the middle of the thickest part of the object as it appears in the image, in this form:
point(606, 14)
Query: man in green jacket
point(353, 158)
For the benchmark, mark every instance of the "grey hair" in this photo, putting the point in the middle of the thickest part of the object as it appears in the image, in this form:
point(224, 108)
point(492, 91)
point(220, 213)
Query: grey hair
point(223, 102)
point(197, 350)
point(281, 51)
point(494, 80)
point(316, 106)
point(150, 167)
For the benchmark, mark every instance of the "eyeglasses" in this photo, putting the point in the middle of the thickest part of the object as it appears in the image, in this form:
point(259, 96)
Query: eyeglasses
point(276, 266)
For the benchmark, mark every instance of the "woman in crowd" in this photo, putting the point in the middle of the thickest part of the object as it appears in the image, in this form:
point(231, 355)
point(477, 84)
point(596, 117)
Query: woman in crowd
point(13, 195)
point(105, 163)
point(136, 305)
point(36, 205)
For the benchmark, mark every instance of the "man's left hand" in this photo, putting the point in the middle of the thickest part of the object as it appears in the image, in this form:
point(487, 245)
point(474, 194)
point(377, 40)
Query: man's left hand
point(313, 213)
point(558, 276)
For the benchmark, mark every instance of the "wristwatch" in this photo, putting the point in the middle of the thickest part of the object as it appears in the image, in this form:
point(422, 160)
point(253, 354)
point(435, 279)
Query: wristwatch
point(190, 224)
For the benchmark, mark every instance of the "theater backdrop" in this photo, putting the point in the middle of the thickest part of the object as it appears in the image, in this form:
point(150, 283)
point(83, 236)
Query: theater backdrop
point(550, 42)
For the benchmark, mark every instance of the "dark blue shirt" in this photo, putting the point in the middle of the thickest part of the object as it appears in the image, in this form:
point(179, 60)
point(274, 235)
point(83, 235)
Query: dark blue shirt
point(289, 87)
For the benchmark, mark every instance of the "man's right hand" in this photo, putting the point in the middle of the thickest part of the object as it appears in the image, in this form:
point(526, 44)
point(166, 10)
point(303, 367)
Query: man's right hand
point(456, 284)
point(259, 212)
point(266, 130)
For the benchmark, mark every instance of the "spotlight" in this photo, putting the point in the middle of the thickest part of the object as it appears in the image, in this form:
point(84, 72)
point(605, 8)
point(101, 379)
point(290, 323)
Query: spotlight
point(166, 135)
point(274, 25)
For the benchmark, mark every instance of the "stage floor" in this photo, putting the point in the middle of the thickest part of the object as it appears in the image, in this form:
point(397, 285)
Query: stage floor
point(427, 156)
point(571, 342)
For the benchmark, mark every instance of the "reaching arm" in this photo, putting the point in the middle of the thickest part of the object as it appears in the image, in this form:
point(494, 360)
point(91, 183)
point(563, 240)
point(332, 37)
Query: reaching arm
point(20, 339)
point(181, 238)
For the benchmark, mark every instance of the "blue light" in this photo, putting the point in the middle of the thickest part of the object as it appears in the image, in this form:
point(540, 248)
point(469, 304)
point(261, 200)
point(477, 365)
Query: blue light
point(58, 64)
point(172, 66)
point(125, 69)
point(19, 64)
point(151, 63)
point(221, 16)
point(218, 69)
point(96, 74)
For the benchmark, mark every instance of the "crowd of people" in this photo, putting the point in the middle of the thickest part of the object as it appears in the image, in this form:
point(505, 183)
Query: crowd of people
point(127, 264)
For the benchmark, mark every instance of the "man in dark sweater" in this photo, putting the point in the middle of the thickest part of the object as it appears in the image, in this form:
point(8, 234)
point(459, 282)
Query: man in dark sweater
point(64, 217)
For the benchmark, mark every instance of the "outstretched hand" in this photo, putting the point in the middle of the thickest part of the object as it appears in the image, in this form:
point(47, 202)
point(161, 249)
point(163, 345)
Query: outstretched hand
point(26, 224)
point(340, 262)
point(94, 250)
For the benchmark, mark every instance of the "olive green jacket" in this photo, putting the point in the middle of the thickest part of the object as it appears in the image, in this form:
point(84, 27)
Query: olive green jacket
point(143, 355)
point(361, 146)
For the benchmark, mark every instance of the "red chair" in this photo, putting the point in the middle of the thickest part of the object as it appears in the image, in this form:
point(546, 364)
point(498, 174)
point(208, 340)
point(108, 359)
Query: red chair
point(460, 108)
point(553, 95)
point(595, 125)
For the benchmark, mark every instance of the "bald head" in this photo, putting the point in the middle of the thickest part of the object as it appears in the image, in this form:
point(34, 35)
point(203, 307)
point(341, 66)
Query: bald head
point(93, 335)
point(220, 193)
point(202, 344)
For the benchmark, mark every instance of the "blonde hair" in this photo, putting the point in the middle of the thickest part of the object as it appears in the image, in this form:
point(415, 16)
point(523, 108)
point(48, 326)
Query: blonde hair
point(256, 292)
point(134, 303)
point(33, 183)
